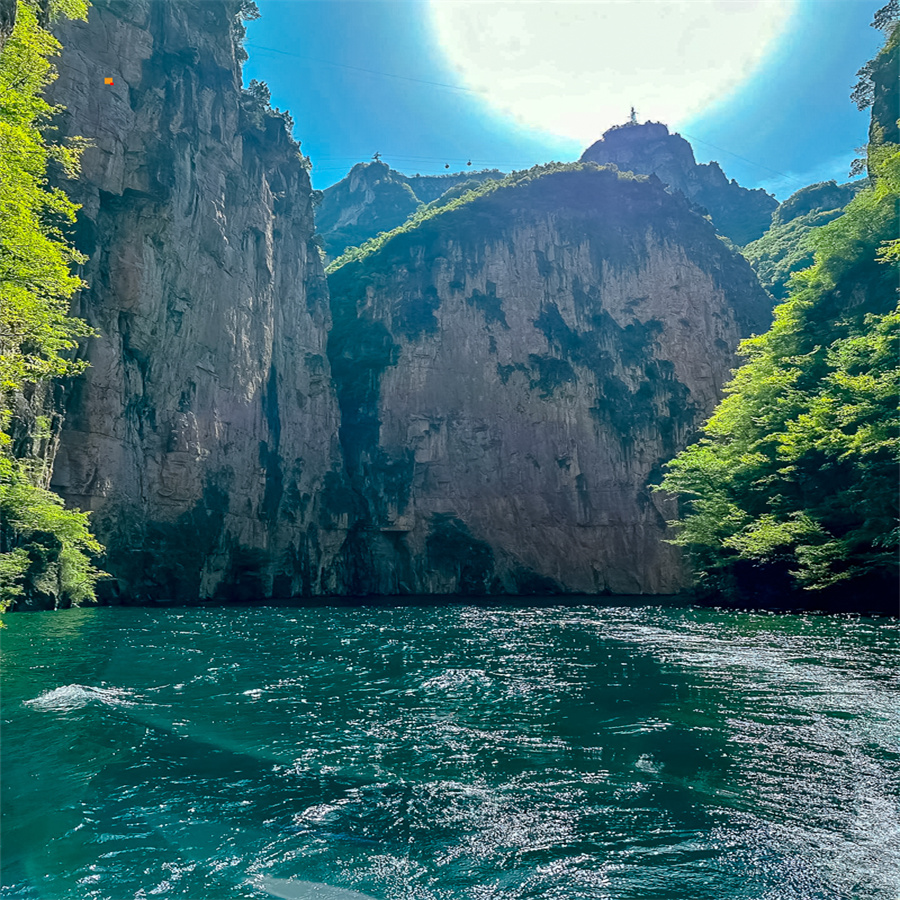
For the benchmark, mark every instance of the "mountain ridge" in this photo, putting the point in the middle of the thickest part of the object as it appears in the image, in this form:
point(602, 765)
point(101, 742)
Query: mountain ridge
point(374, 198)
point(739, 213)
point(513, 370)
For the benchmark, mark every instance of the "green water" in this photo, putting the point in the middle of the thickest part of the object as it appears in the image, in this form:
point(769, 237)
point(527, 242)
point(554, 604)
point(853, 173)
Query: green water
point(436, 753)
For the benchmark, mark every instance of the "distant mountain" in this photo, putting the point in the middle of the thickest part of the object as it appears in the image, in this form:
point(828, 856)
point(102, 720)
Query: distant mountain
point(788, 246)
point(741, 214)
point(375, 198)
point(513, 370)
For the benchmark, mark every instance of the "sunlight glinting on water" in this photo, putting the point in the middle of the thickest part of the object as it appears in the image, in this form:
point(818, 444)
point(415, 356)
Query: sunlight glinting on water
point(441, 753)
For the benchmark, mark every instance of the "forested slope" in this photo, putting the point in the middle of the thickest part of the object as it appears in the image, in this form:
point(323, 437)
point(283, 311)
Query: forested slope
point(789, 244)
point(45, 550)
point(792, 490)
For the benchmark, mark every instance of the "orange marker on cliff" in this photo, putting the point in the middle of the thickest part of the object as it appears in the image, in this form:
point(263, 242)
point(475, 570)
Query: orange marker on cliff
point(107, 81)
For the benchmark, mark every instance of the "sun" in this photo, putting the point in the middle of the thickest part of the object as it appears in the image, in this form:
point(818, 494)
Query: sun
point(575, 68)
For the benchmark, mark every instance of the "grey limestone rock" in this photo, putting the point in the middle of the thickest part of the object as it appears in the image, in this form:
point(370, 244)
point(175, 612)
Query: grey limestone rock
point(737, 212)
point(514, 373)
point(374, 197)
point(203, 434)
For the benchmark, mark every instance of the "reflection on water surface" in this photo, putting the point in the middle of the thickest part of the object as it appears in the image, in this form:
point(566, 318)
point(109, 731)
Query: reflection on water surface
point(438, 753)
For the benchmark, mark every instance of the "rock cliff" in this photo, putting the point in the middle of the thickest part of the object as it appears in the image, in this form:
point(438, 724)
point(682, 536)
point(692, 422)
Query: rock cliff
point(204, 436)
point(740, 214)
point(500, 387)
point(514, 371)
point(375, 198)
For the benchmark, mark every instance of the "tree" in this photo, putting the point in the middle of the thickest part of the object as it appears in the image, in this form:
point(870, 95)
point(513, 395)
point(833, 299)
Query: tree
point(44, 548)
point(792, 486)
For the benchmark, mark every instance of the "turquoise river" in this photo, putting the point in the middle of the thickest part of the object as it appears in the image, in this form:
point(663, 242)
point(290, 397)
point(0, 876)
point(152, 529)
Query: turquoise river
point(453, 752)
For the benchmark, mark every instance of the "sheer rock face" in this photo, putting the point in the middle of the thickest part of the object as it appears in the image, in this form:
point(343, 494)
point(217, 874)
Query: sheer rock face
point(740, 214)
point(514, 373)
point(204, 434)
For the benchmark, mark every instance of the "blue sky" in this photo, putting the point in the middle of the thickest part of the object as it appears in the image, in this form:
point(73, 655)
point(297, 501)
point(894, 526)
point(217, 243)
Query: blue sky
point(366, 75)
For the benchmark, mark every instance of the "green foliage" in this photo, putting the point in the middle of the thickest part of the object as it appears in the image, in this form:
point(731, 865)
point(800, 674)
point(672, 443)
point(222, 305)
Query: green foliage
point(863, 94)
point(248, 11)
point(824, 195)
point(374, 198)
point(795, 477)
point(458, 190)
point(389, 202)
point(256, 101)
point(36, 283)
point(786, 249)
point(45, 550)
point(789, 245)
point(879, 86)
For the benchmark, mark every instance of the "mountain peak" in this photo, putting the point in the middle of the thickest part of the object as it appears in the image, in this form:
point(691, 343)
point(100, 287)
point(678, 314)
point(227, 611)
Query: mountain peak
point(739, 213)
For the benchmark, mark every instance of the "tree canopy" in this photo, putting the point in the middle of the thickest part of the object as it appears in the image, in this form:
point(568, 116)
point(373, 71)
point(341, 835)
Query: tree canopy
point(44, 548)
point(793, 484)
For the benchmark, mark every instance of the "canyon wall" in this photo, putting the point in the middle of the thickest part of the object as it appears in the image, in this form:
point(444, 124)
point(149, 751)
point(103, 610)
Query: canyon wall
point(481, 405)
point(514, 373)
point(204, 435)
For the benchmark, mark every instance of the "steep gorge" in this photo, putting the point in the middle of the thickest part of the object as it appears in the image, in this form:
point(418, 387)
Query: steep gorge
point(481, 405)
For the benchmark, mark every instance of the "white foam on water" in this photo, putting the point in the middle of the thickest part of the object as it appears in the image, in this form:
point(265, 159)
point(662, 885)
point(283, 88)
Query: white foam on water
point(77, 696)
point(288, 889)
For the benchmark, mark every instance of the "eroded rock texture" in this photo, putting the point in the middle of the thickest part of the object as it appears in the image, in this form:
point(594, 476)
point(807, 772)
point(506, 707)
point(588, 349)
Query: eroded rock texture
point(514, 373)
point(739, 213)
point(204, 435)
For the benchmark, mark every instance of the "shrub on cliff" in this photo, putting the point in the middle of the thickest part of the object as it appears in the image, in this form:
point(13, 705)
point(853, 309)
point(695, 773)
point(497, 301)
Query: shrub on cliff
point(793, 484)
point(40, 541)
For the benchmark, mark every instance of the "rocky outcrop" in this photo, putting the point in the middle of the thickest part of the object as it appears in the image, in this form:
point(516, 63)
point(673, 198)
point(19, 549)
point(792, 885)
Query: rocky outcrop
point(204, 435)
point(373, 198)
point(514, 372)
point(7, 20)
point(499, 390)
point(881, 73)
point(740, 214)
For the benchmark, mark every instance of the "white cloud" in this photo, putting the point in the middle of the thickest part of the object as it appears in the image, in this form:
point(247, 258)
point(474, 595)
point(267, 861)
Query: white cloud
point(575, 68)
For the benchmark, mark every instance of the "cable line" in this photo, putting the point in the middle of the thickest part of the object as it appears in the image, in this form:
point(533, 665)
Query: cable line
point(453, 87)
point(325, 62)
point(743, 159)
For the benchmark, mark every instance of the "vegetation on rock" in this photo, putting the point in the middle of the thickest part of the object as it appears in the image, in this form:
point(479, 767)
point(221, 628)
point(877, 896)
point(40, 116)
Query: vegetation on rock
point(374, 198)
point(793, 485)
point(739, 214)
point(432, 211)
point(45, 550)
point(789, 245)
